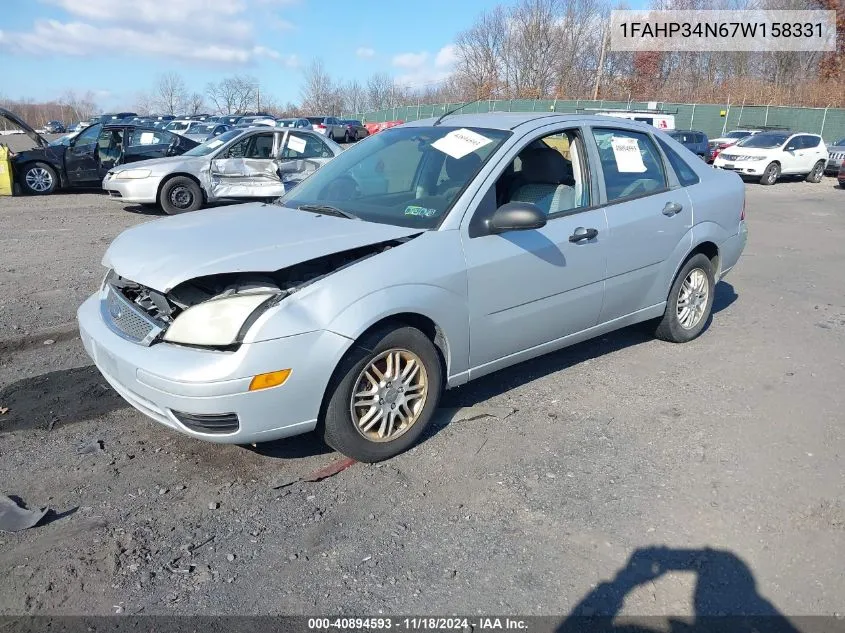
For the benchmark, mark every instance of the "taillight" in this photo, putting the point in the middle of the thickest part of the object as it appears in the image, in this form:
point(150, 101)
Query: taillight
point(320, 126)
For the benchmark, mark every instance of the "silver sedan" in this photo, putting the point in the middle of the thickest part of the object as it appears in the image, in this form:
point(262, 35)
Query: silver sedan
point(239, 164)
point(421, 258)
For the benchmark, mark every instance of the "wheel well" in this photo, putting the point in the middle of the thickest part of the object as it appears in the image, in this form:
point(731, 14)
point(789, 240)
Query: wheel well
point(425, 325)
point(711, 252)
point(170, 177)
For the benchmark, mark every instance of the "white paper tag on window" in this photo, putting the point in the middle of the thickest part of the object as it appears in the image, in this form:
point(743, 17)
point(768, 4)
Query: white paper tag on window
point(296, 144)
point(459, 143)
point(215, 143)
point(147, 138)
point(627, 154)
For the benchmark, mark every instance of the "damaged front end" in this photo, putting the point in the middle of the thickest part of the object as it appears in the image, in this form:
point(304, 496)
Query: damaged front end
point(215, 311)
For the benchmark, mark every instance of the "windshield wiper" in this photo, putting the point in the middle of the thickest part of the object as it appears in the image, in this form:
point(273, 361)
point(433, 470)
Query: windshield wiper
point(327, 210)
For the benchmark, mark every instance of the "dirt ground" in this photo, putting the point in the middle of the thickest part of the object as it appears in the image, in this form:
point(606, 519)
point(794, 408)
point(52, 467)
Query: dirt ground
point(725, 454)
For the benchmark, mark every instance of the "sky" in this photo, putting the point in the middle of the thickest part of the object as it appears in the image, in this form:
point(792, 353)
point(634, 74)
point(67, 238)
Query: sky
point(117, 48)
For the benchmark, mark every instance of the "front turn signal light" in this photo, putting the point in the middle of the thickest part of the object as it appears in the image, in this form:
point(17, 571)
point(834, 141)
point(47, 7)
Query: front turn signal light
point(271, 379)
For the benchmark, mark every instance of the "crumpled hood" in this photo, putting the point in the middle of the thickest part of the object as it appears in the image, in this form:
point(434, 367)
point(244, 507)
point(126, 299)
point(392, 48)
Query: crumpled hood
point(252, 237)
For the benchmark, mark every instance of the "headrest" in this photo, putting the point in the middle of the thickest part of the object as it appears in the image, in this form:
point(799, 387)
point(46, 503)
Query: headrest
point(545, 165)
point(462, 168)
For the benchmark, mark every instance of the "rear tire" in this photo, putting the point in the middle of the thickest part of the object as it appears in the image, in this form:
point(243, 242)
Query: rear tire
point(180, 195)
point(689, 303)
point(770, 174)
point(39, 179)
point(343, 424)
point(346, 137)
point(816, 173)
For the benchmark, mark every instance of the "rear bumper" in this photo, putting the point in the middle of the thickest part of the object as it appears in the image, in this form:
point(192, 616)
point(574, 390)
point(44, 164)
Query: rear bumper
point(731, 249)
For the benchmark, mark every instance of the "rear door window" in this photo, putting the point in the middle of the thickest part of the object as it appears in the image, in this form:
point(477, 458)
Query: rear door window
point(631, 165)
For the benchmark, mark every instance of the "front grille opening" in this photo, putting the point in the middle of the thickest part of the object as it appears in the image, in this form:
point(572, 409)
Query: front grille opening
point(219, 424)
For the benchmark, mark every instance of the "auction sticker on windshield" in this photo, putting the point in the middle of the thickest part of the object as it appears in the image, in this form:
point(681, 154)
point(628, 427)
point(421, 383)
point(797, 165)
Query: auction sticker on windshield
point(626, 151)
point(215, 143)
point(459, 143)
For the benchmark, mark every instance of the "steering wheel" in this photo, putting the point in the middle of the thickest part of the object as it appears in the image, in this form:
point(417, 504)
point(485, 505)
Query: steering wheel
point(341, 188)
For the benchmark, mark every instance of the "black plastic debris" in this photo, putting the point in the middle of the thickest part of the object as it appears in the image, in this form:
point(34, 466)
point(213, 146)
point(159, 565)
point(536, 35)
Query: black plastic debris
point(14, 518)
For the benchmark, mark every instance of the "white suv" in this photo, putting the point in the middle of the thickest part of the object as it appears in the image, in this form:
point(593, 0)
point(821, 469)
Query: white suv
point(769, 155)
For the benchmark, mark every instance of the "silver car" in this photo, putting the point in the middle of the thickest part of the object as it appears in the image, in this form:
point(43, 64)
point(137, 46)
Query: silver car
point(241, 163)
point(421, 258)
point(835, 157)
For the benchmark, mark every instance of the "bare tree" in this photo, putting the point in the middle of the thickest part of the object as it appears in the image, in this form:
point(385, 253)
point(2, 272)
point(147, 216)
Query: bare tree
point(380, 91)
point(170, 95)
point(233, 94)
point(195, 104)
point(319, 93)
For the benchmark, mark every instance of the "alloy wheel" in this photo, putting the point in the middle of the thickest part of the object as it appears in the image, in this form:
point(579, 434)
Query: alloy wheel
point(692, 299)
point(389, 395)
point(39, 179)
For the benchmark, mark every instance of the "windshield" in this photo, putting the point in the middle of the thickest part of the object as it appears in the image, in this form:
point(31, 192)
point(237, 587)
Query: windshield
point(213, 144)
point(737, 134)
point(178, 126)
point(683, 137)
point(402, 176)
point(764, 141)
point(205, 128)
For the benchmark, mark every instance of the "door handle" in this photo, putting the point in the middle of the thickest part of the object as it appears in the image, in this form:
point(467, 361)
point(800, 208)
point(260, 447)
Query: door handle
point(672, 208)
point(581, 234)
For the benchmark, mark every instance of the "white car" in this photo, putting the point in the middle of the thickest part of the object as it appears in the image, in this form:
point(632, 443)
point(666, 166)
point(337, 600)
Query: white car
point(770, 155)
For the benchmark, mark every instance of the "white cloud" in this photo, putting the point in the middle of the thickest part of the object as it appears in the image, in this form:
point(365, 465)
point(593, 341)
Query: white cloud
point(423, 68)
point(446, 57)
point(364, 52)
point(411, 61)
point(211, 31)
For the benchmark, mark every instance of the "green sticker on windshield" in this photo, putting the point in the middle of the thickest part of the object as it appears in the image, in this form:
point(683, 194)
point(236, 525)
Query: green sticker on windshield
point(420, 211)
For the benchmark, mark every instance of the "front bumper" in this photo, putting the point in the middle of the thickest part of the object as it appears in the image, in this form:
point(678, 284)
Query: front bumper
point(832, 166)
point(164, 380)
point(743, 168)
point(137, 190)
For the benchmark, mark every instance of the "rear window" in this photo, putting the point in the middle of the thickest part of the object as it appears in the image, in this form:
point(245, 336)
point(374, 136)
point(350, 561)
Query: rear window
point(316, 119)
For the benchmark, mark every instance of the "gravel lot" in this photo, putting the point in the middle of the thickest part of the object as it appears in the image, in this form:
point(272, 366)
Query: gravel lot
point(730, 446)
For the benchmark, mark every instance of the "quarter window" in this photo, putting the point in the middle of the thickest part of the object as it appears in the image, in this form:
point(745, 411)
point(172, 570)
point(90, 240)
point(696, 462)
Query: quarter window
point(89, 135)
point(686, 175)
point(631, 164)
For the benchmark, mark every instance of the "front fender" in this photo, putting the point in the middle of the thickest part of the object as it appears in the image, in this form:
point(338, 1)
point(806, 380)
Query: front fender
point(448, 310)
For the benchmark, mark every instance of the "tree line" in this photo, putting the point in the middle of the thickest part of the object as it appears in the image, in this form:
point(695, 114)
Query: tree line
point(533, 49)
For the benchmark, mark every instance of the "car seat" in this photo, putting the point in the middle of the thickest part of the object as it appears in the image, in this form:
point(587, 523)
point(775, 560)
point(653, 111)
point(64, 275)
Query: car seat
point(544, 181)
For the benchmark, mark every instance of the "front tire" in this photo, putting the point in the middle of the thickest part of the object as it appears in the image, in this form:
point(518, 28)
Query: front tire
point(346, 137)
point(690, 302)
point(382, 395)
point(770, 174)
point(180, 195)
point(39, 179)
point(817, 173)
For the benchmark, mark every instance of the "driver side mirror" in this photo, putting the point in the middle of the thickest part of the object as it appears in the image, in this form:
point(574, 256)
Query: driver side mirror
point(517, 216)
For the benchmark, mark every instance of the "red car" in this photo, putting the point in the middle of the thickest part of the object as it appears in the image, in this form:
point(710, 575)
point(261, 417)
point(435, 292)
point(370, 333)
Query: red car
point(372, 128)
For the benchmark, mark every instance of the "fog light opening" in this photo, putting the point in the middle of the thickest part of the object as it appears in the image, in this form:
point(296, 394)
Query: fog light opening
point(271, 379)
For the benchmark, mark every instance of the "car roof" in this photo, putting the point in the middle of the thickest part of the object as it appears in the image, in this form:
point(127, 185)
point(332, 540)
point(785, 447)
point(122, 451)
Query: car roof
point(693, 131)
point(512, 120)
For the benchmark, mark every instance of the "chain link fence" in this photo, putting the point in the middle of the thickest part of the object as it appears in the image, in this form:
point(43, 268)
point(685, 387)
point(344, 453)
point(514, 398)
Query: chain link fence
point(712, 119)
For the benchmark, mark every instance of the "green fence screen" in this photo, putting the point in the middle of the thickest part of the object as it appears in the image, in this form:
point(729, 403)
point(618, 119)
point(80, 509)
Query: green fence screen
point(712, 119)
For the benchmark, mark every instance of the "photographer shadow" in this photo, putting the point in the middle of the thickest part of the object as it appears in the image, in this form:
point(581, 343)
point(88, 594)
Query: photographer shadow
point(725, 596)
